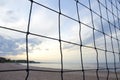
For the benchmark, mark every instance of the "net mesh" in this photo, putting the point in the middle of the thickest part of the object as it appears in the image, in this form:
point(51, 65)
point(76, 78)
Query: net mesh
point(102, 22)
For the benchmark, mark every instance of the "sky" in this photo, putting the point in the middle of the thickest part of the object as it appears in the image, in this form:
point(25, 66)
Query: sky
point(14, 14)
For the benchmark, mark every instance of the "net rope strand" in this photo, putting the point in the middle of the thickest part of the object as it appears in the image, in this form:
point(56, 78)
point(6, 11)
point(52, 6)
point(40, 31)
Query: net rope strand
point(101, 21)
point(47, 37)
point(109, 24)
point(60, 40)
point(16, 70)
point(112, 40)
point(60, 43)
point(118, 21)
point(98, 14)
point(112, 44)
point(27, 38)
point(76, 19)
point(67, 16)
point(81, 56)
point(94, 42)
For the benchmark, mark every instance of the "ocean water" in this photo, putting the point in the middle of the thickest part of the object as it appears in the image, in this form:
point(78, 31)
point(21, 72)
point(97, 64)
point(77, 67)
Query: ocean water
point(75, 66)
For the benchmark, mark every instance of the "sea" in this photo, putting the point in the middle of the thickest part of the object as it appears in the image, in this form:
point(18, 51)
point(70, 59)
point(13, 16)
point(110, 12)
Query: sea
point(76, 66)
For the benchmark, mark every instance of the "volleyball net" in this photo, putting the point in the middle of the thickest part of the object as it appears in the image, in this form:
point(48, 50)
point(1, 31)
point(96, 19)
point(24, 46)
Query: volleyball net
point(95, 31)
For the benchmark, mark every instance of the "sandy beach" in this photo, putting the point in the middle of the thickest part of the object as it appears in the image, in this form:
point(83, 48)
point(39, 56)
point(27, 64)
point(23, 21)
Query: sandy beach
point(40, 75)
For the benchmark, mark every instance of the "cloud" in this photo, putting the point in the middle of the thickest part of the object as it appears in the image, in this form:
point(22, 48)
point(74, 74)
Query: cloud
point(14, 14)
point(2, 2)
point(44, 22)
point(66, 46)
point(6, 13)
point(9, 46)
point(87, 35)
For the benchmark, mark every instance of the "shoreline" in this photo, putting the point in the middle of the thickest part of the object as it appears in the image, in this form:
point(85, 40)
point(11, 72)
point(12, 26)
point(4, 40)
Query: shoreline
point(44, 75)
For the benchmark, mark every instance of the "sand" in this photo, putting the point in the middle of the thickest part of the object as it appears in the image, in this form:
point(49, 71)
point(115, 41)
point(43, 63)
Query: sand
point(40, 75)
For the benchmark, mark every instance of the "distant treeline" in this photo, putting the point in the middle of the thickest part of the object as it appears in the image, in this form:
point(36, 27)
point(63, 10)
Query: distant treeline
point(4, 60)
